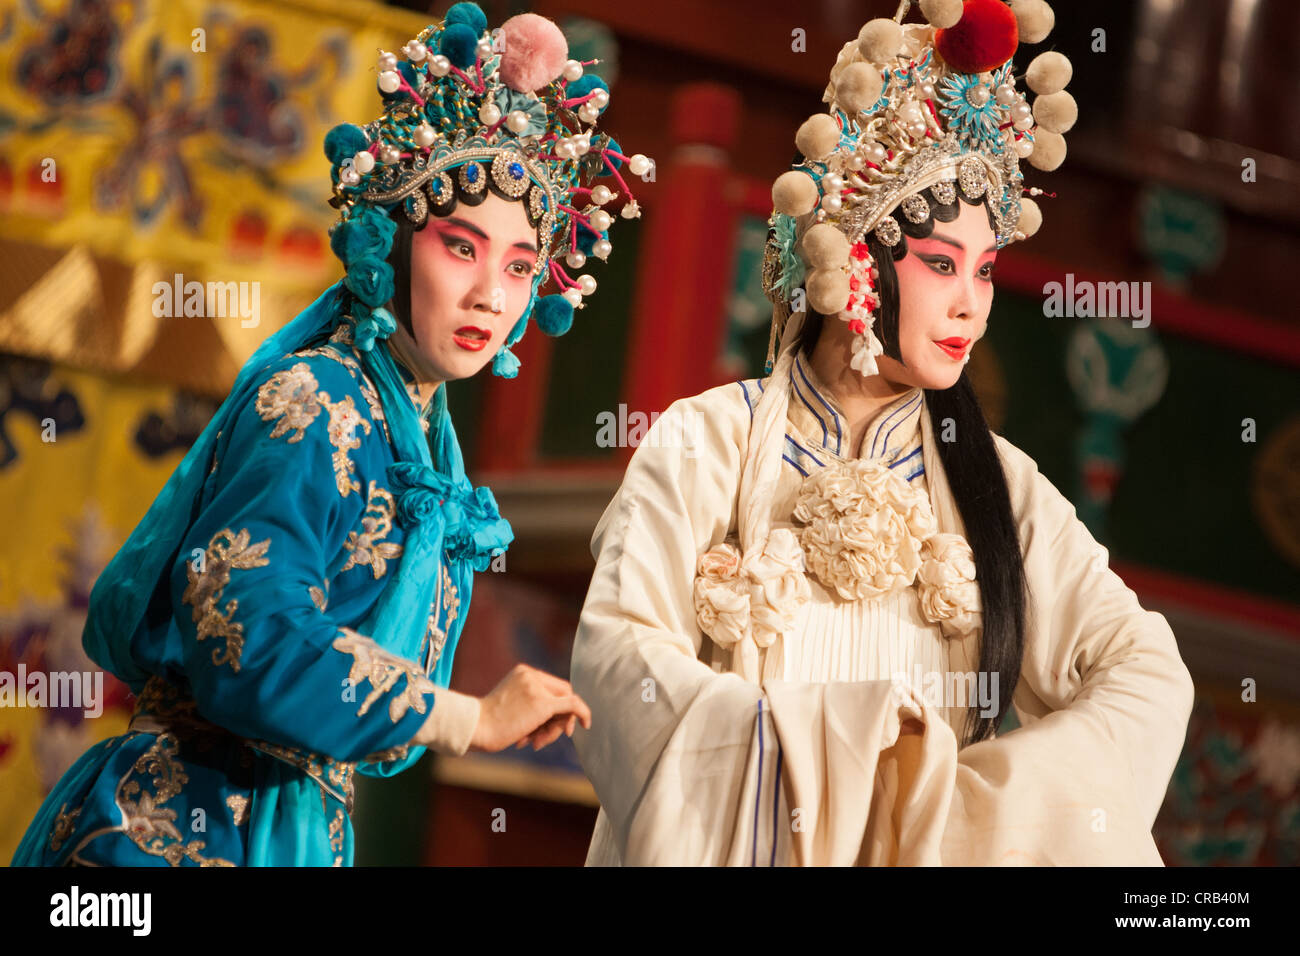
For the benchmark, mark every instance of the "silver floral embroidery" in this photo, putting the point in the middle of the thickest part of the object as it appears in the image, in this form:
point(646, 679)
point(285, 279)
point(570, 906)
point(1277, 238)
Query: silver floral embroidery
point(294, 398)
point(225, 552)
point(368, 547)
point(382, 669)
point(343, 336)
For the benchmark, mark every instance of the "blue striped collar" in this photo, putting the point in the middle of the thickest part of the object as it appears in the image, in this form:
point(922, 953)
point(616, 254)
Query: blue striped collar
point(894, 430)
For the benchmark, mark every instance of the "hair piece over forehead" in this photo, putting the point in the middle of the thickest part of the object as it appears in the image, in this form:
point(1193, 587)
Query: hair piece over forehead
point(939, 212)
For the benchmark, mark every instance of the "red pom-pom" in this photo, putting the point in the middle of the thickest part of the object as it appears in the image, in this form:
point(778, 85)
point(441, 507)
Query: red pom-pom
point(985, 37)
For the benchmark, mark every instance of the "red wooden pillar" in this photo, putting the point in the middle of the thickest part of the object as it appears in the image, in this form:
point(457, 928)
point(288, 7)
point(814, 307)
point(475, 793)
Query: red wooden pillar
point(510, 423)
point(679, 315)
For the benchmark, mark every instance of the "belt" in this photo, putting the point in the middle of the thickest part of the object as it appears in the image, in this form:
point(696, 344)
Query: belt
point(162, 707)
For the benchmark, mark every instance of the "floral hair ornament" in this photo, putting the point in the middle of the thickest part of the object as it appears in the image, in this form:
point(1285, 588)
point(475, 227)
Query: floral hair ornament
point(467, 110)
point(916, 112)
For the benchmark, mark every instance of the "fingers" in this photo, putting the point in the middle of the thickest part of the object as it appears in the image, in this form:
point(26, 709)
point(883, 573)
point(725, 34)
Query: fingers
point(556, 685)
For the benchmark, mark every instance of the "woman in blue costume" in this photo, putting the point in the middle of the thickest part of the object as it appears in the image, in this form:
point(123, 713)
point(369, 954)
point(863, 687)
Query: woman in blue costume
point(287, 612)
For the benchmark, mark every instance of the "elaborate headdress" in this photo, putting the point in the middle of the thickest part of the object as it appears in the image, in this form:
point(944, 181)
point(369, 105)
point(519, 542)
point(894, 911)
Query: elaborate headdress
point(917, 112)
point(467, 110)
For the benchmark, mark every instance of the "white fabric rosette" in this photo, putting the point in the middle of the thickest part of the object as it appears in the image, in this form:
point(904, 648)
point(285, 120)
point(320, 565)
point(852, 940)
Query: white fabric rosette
point(867, 532)
point(949, 595)
point(745, 604)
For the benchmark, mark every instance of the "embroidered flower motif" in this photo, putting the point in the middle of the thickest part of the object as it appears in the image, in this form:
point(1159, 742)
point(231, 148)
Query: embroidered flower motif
point(293, 397)
point(868, 532)
point(227, 551)
point(382, 669)
point(368, 547)
point(949, 595)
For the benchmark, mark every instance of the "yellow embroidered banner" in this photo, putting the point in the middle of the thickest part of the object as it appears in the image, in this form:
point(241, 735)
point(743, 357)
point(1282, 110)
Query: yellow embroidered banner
point(153, 145)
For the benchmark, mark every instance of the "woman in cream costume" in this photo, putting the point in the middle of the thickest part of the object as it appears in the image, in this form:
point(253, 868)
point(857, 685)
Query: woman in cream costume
point(782, 614)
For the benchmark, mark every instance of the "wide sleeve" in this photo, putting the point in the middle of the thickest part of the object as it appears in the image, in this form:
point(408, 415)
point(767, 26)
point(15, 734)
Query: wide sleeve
point(693, 766)
point(1104, 700)
point(261, 658)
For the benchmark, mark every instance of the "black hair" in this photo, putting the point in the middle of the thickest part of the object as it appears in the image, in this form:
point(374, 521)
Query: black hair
point(399, 256)
point(974, 472)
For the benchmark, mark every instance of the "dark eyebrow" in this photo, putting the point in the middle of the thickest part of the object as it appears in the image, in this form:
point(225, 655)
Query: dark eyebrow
point(470, 227)
point(957, 245)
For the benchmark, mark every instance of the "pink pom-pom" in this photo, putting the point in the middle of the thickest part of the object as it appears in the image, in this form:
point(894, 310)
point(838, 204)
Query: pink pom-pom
point(534, 52)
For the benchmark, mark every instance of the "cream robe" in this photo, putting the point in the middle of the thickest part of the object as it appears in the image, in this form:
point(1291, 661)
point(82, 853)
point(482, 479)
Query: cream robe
point(695, 765)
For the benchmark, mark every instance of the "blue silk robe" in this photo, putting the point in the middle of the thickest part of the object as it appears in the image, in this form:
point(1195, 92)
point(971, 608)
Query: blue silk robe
point(257, 628)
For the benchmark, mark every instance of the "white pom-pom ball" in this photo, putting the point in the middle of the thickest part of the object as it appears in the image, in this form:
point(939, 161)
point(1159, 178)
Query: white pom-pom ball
point(1056, 112)
point(824, 247)
point(1034, 18)
point(858, 87)
point(941, 14)
point(794, 194)
point(880, 40)
point(1049, 72)
point(1049, 150)
point(1031, 217)
point(817, 136)
point(828, 291)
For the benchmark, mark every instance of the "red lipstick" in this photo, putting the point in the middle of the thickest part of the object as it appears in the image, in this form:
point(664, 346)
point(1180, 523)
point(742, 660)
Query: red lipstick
point(471, 338)
point(953, 347)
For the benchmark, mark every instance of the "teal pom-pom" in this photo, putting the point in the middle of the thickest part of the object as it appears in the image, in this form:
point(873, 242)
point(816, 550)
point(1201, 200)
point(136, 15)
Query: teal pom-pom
point(470, 14)
point(459, 44)
point(587, 238)
point(343, 142)
point(554, 314)
point(613, 160)
point(408, 74)
point(584, 85)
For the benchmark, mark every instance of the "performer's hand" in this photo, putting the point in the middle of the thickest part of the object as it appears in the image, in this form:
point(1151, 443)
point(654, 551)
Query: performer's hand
point(549, 732)
point(527, 704)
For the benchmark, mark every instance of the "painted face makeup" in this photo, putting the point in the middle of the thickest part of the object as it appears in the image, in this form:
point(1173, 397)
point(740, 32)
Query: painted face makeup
point(471, 273)
point(945, 292)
